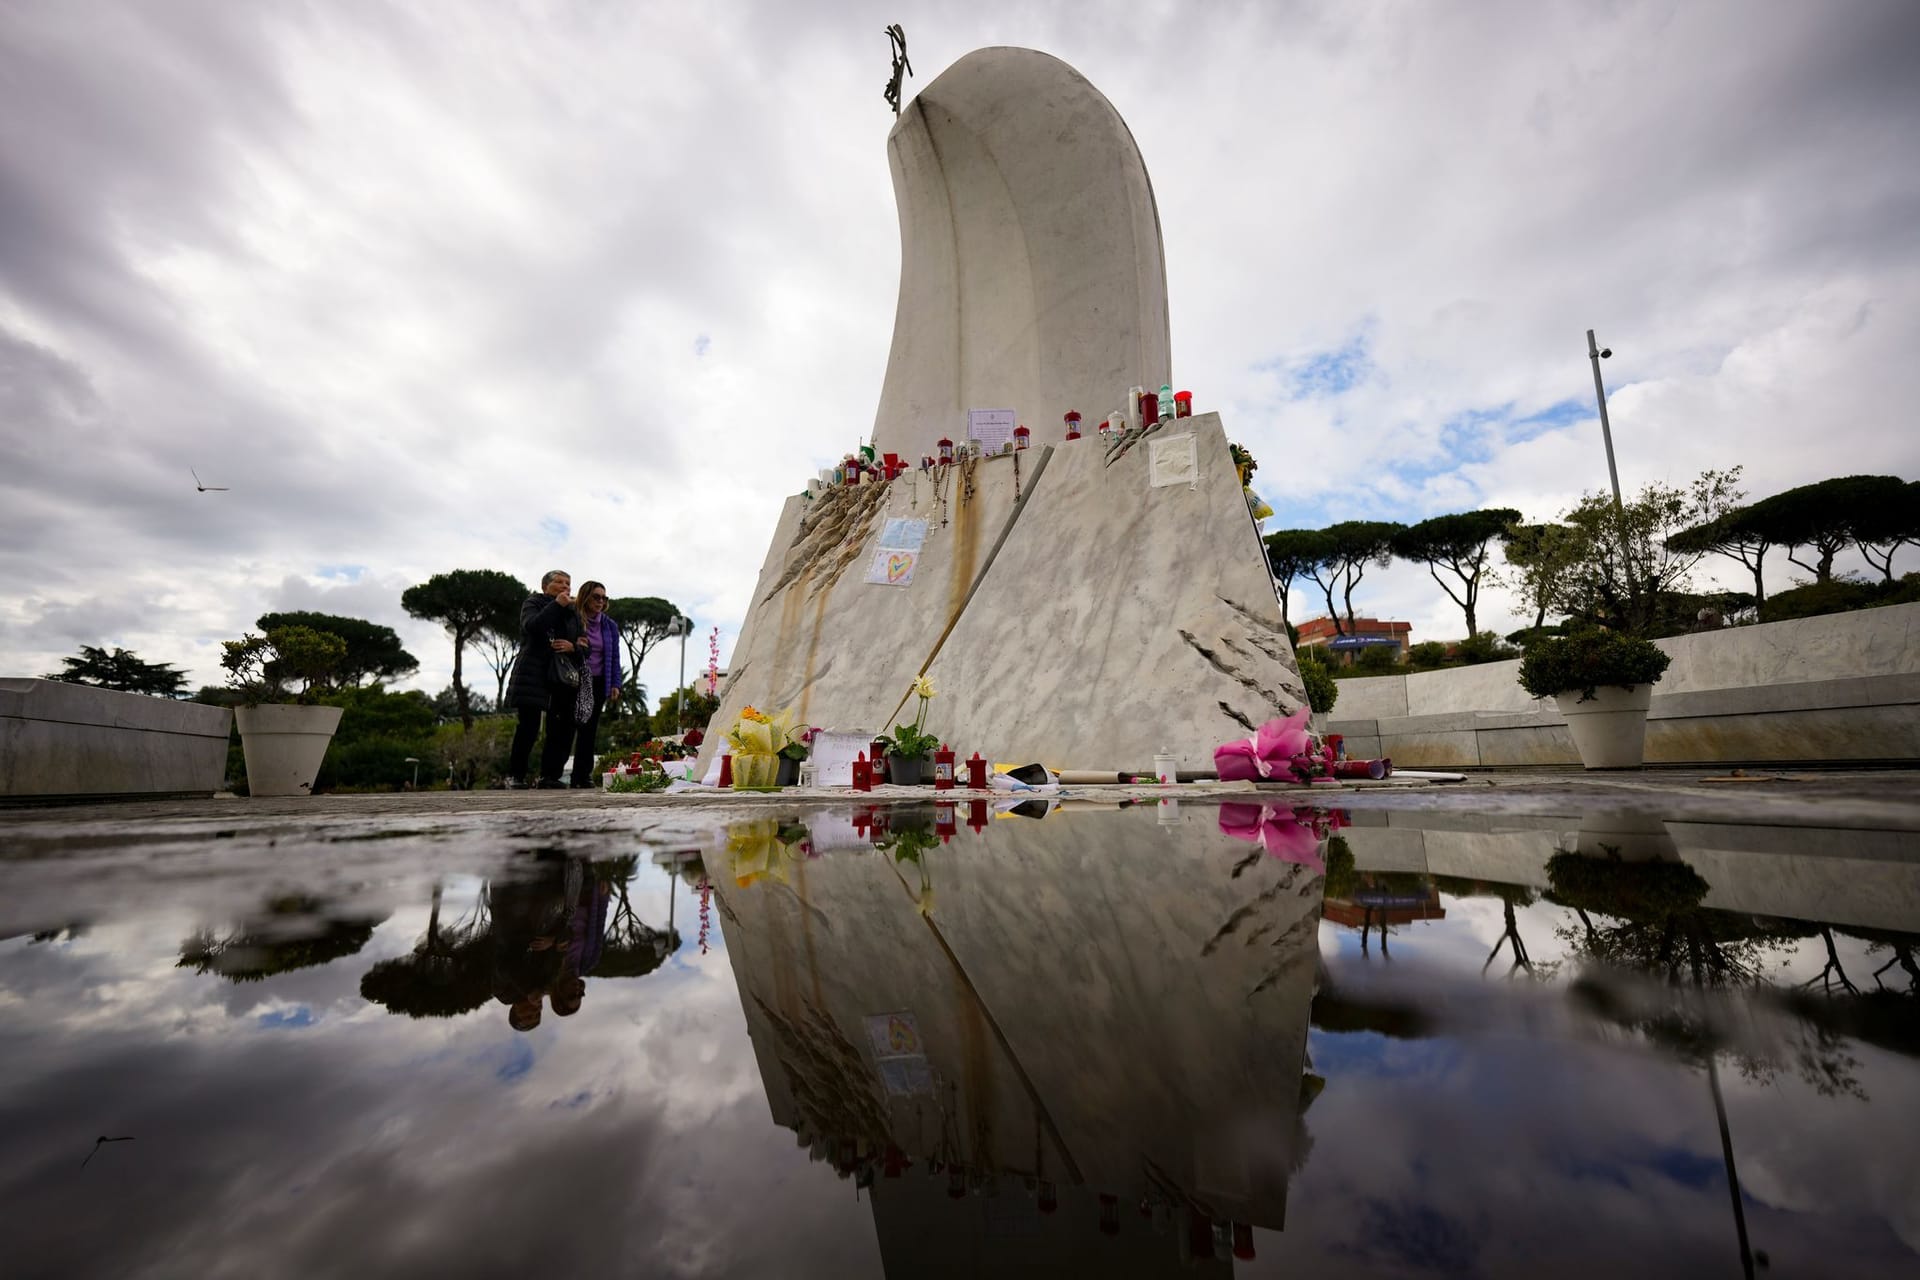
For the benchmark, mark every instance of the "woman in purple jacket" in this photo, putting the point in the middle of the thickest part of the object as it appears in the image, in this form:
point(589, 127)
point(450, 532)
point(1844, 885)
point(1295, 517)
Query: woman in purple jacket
point(603, 664)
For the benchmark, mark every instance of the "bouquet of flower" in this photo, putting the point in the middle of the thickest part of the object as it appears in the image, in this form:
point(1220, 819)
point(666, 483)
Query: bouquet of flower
point(755, 741)
point(761, 848)
point(1279, 751)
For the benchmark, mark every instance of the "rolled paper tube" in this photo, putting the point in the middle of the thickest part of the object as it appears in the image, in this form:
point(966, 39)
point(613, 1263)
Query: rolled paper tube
point(1134, 395)
point(1374, 769)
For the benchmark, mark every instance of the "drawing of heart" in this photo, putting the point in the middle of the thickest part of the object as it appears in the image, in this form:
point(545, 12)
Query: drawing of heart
point(898, 566)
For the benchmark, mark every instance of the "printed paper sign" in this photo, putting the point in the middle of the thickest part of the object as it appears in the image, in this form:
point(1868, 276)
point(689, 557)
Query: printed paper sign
point(902, 534)
point(892, 568)
point(993, 428)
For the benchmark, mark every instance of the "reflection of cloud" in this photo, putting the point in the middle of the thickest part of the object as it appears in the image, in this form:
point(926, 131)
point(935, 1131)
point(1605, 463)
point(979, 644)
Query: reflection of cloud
point(1523, 1150)
point(386, 1145)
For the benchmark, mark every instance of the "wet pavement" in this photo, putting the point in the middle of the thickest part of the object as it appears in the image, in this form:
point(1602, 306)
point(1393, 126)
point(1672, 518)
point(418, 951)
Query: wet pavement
point(1547, 1024)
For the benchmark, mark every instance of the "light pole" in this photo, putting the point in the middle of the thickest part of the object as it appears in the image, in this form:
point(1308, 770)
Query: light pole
point(1596, 355)
point(415, 762)
point(682, 627)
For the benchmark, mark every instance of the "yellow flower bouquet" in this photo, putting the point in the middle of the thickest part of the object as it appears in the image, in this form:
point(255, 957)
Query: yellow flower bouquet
point(756, 740)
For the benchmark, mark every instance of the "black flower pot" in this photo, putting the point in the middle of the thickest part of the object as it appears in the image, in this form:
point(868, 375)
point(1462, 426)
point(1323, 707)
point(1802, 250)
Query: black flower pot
point(902, 772)
point(789, 773)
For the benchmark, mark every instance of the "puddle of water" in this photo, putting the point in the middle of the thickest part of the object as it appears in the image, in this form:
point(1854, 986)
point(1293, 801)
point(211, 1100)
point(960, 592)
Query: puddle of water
point(954, 1040)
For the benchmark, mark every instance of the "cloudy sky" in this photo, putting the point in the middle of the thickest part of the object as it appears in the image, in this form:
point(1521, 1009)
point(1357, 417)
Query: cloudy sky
point(437, 286)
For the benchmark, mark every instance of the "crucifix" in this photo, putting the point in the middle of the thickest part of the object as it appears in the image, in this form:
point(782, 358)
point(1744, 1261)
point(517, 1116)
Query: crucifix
point(897, 37)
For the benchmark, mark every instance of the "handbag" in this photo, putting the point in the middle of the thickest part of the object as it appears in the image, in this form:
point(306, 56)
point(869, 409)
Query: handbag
point(565, 671)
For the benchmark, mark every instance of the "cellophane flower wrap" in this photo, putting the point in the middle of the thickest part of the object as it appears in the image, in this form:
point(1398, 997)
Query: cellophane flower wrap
point(755, 851)
point(1279, 751)
point(755, 740)
point(1291, 834)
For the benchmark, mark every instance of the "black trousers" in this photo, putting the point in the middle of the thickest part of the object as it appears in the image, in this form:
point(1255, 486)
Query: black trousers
point(585, 734)
point(559, 740)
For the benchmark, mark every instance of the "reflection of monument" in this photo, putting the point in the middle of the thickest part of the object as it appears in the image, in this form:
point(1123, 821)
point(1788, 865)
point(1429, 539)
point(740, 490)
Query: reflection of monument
point(1074, 604)
point(1079, 1050)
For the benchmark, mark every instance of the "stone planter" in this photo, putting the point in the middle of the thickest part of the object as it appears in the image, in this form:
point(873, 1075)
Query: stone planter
point(284, 746)
point(1610, 728)
point(906, 773)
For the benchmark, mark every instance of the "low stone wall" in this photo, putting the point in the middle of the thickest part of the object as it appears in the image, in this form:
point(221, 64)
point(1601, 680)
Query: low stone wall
point(68, 740)
point(1840, 687)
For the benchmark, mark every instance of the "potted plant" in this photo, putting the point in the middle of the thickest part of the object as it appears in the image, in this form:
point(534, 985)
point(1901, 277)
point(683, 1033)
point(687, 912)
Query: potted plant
point(911, 841)
point(910, 747)
point(1603, 682)
point(799, 742)
point(284, 741)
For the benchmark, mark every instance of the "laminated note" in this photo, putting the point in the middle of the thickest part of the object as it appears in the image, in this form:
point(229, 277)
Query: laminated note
point(903, 534)
point(1173, 460)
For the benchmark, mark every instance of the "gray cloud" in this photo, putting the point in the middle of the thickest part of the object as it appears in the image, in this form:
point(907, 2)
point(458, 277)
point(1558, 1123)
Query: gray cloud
point(415, 282)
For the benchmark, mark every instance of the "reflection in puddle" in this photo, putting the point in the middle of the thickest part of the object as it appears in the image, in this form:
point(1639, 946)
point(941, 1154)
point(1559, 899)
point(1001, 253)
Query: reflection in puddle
point(1027, 1038)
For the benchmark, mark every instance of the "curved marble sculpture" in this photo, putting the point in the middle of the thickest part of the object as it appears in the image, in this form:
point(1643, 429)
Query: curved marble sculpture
point(1071, 605)
point(1032, 276)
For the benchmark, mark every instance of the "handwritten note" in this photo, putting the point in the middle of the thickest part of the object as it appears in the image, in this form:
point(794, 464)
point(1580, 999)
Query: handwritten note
point(892, 568)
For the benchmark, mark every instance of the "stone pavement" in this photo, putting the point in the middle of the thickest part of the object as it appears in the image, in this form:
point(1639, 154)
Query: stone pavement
point(1881, 800)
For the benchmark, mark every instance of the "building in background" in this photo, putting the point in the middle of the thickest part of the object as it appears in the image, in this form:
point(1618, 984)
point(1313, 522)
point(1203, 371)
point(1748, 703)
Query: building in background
point(1361, 634)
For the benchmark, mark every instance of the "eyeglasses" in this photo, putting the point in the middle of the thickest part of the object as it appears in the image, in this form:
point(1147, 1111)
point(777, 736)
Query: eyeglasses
point(598, 596)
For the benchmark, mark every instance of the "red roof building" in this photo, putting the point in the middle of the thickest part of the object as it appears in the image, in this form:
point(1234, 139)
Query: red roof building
point(1361, 633)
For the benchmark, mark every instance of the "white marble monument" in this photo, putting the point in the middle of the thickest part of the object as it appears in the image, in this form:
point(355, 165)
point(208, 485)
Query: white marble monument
point(1069, 608)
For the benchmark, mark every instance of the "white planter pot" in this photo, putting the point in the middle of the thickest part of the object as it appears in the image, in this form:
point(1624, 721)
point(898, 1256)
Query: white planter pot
point(284, 746)
point(1610, 728)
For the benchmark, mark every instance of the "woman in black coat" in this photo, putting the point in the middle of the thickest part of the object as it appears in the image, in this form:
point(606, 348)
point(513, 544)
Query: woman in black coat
point(550, 632)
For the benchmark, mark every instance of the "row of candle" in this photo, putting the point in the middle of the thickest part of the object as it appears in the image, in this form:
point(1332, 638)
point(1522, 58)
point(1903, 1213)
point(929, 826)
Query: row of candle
point(1145, 409)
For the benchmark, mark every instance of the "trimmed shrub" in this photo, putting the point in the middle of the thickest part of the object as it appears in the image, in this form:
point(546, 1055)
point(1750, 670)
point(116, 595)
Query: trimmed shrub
point(1377, 659)
point(1484, 647)
point(1322, 692)
point(1587, 660)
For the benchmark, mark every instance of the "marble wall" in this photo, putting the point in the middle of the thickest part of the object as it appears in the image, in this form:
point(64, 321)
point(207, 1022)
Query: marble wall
point(69, 740)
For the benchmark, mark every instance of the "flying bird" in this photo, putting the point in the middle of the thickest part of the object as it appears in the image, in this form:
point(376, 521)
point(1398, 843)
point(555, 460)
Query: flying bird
point(205, 488)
